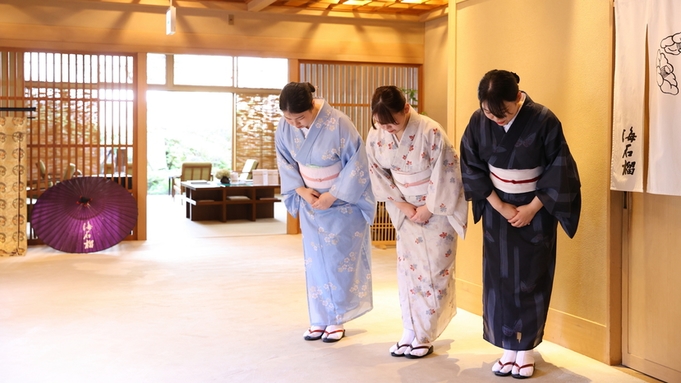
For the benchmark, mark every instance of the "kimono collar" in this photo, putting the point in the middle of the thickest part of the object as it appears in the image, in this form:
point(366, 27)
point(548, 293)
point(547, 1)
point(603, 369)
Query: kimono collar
point(412, 125)
point(406, 141)
point(522, 102)
point(306, 131)
point(316, 127)
point(507, 140)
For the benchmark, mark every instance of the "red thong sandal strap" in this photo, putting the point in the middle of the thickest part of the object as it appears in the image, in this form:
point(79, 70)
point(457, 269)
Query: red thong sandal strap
point(333, 332)
point(525, 366)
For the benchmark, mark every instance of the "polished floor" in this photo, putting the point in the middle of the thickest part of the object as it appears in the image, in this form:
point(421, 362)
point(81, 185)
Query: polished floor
point(214, 302)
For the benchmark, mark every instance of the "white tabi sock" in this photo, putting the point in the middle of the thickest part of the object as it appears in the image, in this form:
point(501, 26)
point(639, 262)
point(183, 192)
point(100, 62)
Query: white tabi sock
point(314, 332)
point(407, 337)
point(505, 363)
point(524, 364)
point(423, 348)
point(331, 331)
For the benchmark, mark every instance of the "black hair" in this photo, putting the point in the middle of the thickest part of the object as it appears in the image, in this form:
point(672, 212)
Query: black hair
point(386, 100)
point(496, 87)
point(296, 97)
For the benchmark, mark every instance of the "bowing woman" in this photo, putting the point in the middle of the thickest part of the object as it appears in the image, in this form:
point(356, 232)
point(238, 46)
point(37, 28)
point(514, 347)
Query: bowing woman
point(415, 170)
point(325, 182)
point(522, 180)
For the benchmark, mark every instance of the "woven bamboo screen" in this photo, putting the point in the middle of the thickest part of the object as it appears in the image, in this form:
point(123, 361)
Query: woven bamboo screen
point(83, 120)
point(348, 87)
point(257, 116)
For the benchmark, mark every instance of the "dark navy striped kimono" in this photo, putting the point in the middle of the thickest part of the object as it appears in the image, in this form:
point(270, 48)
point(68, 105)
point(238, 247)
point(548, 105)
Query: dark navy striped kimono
point(519, 263)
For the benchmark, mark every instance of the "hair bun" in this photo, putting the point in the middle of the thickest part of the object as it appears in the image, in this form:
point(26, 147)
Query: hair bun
point(517, 78)
point(310, 87)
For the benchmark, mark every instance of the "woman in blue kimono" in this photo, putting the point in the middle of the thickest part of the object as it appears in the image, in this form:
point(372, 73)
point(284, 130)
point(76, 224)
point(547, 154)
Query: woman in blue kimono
point(325, 182)
point(522, 180)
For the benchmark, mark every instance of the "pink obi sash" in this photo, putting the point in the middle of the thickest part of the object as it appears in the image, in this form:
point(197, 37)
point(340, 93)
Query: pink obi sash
point(412, 183)
point(319, 178)
point(515, 181)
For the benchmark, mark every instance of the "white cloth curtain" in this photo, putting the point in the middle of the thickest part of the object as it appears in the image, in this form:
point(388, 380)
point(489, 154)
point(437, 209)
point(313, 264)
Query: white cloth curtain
point(661, 20)
point(664, 48)
point(13, 173)
point(627, 161)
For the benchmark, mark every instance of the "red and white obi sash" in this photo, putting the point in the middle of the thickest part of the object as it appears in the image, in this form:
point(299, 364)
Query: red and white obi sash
point(515, 181)
point(412, 183)
point(318, 177)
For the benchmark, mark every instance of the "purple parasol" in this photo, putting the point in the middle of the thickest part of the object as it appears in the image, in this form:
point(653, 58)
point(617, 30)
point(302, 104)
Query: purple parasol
point(84, 215)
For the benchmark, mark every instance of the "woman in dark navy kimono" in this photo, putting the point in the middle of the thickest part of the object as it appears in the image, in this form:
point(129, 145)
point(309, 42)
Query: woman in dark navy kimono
point(522, 180)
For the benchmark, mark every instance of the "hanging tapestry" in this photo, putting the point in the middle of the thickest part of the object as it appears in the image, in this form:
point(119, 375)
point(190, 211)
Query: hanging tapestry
point(13, 240)
point(664, 48)
point(660, 19)
point(627, 161)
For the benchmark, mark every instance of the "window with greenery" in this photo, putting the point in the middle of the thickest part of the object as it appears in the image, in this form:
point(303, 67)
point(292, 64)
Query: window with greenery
point(218, 109)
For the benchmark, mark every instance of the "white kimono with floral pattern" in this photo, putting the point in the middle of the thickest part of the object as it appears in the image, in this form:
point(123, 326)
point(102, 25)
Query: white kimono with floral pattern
point(336, 241)
point(422, 168)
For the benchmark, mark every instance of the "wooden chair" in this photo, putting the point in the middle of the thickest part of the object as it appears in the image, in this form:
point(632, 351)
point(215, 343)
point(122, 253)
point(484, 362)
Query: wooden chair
point(192, 171)
point(44, 179)
point(69, 172)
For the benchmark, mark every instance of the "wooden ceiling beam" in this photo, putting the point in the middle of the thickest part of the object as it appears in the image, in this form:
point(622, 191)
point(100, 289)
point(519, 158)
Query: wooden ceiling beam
point(258, 5)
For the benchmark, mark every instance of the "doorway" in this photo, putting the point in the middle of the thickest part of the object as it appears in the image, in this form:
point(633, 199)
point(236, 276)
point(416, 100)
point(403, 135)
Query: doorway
point(651, 304)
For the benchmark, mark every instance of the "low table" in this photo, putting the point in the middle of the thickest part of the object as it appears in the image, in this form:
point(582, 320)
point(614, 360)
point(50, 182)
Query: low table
point(207, 200)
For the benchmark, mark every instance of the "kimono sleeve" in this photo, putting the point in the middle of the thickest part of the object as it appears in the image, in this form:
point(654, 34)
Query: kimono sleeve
point(559, 187)
point(354, 176)
point(289, 172)
point(474, 170)
point(353, 184)
point(445, 190)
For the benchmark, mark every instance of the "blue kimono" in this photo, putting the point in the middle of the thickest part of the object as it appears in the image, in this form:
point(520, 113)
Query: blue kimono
point(336, 241)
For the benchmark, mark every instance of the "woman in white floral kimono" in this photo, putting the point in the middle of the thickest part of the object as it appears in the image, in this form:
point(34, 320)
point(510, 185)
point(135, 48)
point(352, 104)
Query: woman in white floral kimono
point(325, 182)
point(415, 170)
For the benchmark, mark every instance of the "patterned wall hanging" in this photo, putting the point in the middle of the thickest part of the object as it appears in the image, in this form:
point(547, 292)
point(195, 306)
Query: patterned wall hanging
point(13, 240)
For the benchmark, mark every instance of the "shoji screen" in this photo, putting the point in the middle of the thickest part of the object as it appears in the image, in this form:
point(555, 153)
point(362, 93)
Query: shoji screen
point(83, 124)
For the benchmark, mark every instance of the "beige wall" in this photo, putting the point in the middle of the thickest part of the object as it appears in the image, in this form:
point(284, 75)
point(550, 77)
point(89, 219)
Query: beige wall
point(562, 51)
point(435, 67)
